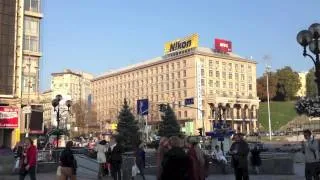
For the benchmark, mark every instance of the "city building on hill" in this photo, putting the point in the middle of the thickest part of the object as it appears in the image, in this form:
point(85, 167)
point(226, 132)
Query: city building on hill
point(201, 85)
point(72, 85)
point(19, 64)
point(303, 80)
point(76, 85)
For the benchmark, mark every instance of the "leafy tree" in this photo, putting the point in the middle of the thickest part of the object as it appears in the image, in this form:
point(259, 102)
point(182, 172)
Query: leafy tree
point(288, 84)
point(169, 125)
point(128, 130)
point(311, 84)
point(262, 86)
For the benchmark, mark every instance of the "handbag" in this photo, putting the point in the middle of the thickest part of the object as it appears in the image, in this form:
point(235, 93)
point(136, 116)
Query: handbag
point(135, 170)
point(67, 171)
point(59, 171)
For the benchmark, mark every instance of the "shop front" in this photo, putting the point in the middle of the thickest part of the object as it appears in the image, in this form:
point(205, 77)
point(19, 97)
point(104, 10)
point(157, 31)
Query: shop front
point(9, 117)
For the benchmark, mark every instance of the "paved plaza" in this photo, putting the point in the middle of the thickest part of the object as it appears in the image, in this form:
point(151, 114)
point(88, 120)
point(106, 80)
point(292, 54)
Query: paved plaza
point(87, 174)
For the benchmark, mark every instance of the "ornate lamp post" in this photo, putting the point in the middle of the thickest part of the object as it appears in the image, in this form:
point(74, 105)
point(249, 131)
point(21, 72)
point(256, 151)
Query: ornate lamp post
point(56, 107)
point(311, 38)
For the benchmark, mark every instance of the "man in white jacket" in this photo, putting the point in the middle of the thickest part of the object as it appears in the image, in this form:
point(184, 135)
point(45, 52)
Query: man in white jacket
point(310, 149)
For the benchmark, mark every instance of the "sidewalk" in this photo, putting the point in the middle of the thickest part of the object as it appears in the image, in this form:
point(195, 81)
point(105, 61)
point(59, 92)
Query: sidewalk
point(52, 176)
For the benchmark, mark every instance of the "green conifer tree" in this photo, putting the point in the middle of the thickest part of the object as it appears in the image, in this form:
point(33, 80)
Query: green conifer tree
point(169, 125)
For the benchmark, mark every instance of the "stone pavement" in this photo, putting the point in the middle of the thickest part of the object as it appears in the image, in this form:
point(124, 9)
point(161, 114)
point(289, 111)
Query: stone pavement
point(52, 176)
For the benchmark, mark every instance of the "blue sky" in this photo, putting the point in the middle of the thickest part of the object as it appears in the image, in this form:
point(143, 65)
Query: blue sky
point(97, 35)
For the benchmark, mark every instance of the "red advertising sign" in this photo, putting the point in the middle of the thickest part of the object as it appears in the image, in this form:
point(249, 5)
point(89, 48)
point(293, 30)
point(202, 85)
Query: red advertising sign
point(9, 117)
point(222, 45)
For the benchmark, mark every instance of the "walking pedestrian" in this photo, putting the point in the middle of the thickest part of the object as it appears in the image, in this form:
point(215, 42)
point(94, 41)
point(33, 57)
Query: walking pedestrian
point(28, 161)
point(255, 158)
point(141, 159)
point(162, 149)
point(310, 149)
point(68, 163)
point(239, 151)
point(115, 158)
point(18, 150)
point(101, 150)
point(175, 161)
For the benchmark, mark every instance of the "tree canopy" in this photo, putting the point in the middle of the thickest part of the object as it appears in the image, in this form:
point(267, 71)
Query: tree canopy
point(262, 86)
point(288, 83)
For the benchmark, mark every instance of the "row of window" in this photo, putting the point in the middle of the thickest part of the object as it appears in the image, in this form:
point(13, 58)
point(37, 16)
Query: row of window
point(146, 72)
point(224, 85)
point(229, 66)
point(223, 75)
point(156, 97)
point(134, 85)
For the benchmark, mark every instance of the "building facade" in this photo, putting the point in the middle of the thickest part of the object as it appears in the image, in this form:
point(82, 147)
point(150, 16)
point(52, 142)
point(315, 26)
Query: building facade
point(19, 60)
point(46, 101)
point(302, 92)
point(213, 85)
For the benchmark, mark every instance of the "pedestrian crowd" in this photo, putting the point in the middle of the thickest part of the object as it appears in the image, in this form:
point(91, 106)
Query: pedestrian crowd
point(177, 159)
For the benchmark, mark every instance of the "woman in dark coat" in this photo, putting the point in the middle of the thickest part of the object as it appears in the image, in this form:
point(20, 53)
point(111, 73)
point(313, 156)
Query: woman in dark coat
point(255, 158)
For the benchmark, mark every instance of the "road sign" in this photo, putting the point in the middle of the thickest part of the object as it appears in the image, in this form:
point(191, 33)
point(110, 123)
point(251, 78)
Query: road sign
point(143, 107)
point(188, 101)
point(26, 109)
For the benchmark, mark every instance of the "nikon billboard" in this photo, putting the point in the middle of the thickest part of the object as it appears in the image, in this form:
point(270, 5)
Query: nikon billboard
point(181, 44)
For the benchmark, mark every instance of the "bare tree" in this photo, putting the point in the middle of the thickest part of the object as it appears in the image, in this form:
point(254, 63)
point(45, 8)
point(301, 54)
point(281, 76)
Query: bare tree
point(84, 115)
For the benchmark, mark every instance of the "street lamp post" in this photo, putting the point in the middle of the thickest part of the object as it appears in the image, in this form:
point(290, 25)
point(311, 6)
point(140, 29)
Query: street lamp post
point(55, 104)
point(268, 98)
point(311, 38)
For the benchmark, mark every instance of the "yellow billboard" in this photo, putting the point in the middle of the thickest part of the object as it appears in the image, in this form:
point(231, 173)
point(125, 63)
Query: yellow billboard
point(181, 44)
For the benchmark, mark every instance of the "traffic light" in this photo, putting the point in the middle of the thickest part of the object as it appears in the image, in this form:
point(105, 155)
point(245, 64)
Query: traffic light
point(200, 131)
point(162, 107)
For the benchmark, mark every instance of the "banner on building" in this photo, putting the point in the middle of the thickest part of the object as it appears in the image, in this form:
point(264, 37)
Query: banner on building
point(222, 45)
point(9, 117)
point(181, 44)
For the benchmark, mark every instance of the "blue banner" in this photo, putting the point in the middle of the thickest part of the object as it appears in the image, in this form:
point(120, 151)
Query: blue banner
point(143, 107)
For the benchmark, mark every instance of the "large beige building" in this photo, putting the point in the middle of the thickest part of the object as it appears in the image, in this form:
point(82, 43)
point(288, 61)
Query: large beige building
point(19, 60)
point(217, 82)
point(303, 80)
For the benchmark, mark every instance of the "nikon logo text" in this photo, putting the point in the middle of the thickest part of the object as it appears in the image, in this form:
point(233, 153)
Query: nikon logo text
point(180, 45)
